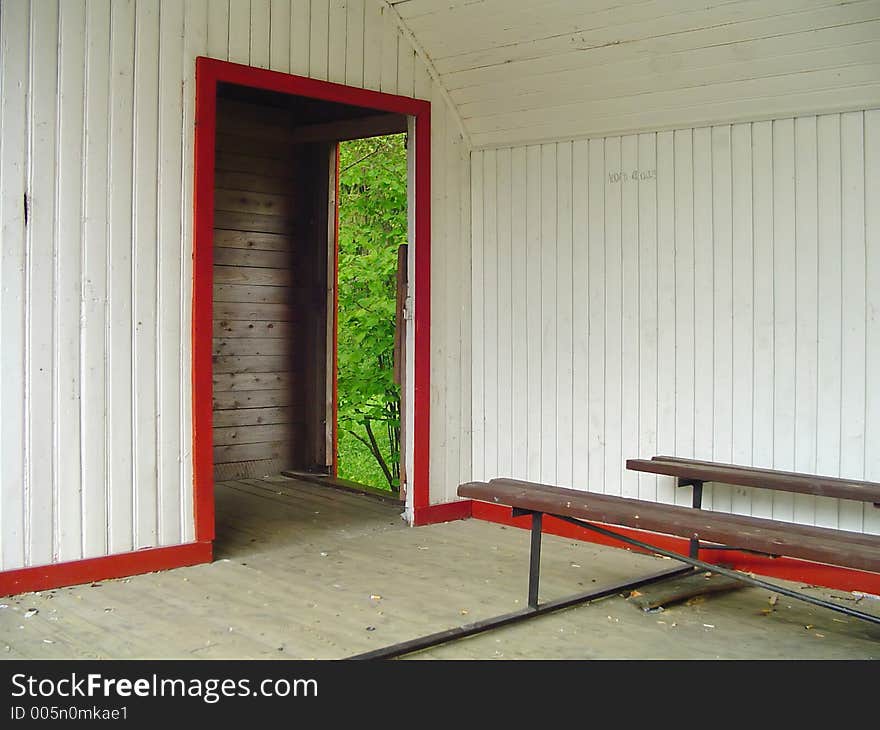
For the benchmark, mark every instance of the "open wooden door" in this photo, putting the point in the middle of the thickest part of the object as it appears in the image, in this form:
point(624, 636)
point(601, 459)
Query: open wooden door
point(331, 399)
point(400, 350)
point(320, 284)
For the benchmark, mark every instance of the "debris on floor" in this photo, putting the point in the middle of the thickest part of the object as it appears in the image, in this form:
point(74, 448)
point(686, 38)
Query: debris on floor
point(685, 588)
point(859, 595)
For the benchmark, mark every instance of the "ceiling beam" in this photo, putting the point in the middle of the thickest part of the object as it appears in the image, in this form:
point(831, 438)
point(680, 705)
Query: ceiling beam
point(375, 125)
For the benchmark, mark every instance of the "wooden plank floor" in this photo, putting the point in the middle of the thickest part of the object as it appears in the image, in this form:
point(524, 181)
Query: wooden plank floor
point(305, 571)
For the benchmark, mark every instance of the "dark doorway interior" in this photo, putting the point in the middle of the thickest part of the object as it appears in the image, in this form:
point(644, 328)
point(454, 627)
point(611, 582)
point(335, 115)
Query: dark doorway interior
point(274, 278)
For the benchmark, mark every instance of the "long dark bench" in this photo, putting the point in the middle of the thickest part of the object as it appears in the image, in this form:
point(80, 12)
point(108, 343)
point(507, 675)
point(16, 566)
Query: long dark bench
point(703, 528)
point(692, 472)
point(695, 473)
point(817, 544)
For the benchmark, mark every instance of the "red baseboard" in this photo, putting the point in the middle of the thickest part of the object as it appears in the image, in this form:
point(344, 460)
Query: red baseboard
point(58, 575)
point(447, 512)
point(829, 576)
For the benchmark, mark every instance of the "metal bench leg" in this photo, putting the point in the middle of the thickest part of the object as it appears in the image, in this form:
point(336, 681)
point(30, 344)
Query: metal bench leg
point(535, 559)
point(696, 503)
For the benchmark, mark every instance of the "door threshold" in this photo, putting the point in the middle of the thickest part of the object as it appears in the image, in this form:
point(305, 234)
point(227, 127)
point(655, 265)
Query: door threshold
point(345, 485)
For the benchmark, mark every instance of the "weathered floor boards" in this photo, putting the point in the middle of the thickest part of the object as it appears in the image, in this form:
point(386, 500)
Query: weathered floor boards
point(305, 571)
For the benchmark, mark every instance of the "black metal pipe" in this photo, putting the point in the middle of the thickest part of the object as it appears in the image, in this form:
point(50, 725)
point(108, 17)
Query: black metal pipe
point(535, 559)
point(696, 503)
point(722, 571)
point(478, 627)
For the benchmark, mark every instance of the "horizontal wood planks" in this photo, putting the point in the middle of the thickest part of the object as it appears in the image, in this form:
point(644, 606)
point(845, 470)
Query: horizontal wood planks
point(262, 294)
point(710, 294)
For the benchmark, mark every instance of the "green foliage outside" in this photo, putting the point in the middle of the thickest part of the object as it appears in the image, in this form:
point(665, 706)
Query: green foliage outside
point(372, 225)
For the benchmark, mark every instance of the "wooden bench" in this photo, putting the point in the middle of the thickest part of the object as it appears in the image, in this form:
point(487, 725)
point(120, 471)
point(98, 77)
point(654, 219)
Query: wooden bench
point(695, 473)
point(691, 472)
point(597, 512)
point(704, 528)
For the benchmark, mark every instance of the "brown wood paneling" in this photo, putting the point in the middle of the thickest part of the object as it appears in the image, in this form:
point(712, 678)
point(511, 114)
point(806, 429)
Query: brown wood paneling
point(254, 416)
point(253, 434)
point(258, 275)
point(280, 260)
point(233, 329)
point(257, 147)
point(270, 277)
point(252, 452)
point(252, 293)
point(238, 399)
point(245, 201)
point(257, 312)
point(270, 346)
point(249, 364)
point(251, 240)
point(252, 381)
point(247, 181)
point(236, 161)
point(252, 222)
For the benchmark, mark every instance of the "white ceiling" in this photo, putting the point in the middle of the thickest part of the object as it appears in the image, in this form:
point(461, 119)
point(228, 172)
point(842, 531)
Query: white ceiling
point(523, 71)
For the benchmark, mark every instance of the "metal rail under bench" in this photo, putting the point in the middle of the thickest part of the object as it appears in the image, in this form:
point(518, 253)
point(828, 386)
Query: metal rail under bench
point(704, 528)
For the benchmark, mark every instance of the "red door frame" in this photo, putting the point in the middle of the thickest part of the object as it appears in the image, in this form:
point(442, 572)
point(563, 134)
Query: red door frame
point(209, 73)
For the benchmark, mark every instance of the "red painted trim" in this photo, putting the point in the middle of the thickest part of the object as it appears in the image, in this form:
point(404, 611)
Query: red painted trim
point(113, 566)
point(335, 456)
point(446, 512)
point(260, 78)
point(209, 73)
point(422, 376)
point(845, 579)
point(202, 303)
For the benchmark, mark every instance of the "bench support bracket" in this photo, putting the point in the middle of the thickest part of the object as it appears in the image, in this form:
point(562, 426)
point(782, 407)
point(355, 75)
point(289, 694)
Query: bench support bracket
point(534, 553)
point(696, 503)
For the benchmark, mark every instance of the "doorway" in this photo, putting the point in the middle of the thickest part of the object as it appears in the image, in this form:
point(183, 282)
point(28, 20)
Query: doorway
point(371, 312)
point(265, 294)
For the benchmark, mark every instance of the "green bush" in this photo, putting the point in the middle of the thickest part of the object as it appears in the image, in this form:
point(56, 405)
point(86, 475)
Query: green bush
point(372, 225)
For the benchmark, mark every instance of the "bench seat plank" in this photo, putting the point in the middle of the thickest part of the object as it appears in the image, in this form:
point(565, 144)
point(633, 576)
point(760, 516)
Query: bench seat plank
point(708, 471)
point(817, 544)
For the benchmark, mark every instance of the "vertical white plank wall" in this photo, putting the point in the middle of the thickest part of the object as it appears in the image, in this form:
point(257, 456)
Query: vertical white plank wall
point(96, 195)
point(707, 292)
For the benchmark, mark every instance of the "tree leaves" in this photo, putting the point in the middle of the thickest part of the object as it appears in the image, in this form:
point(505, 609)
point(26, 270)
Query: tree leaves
point(372, 224)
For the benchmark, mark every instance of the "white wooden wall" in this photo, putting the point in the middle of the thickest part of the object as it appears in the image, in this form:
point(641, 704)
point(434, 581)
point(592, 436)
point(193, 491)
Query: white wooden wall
point(710, 293)
point(95, 303)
